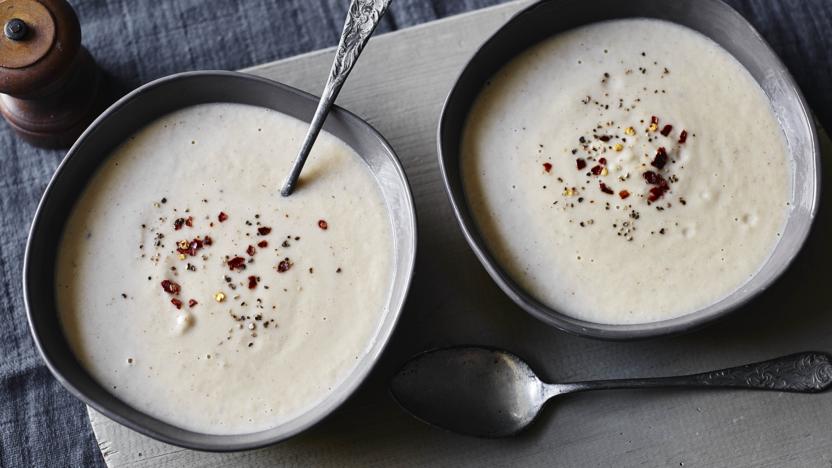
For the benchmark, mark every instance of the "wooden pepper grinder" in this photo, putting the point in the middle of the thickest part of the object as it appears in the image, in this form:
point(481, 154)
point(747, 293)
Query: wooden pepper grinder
point(50, 84)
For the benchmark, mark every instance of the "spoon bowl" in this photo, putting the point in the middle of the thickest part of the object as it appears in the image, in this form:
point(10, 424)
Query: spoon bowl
point(475, 391)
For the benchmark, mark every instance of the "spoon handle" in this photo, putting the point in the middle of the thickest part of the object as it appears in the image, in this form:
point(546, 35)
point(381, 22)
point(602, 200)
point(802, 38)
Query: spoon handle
point(362, 18)
point(808, 372)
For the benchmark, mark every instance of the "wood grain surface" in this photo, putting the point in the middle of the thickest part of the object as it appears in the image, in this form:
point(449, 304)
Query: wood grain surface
point(399, 86)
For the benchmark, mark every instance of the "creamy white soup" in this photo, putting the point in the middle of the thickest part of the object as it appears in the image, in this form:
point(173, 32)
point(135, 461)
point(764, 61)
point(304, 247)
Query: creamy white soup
point(627, 171)
point(193, 291)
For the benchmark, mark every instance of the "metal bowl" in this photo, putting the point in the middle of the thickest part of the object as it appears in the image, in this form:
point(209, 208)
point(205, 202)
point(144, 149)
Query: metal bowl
point(714, 19)
point(131, 113)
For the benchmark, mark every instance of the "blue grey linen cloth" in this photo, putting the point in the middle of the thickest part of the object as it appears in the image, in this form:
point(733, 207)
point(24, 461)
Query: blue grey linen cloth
point(136, 41)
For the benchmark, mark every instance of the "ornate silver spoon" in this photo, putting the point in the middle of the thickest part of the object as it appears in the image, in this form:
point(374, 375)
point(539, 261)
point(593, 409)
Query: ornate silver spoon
point(362, 18)
point(492, 393)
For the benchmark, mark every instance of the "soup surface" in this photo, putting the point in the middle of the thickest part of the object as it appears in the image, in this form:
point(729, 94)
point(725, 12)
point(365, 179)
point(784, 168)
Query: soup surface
point(193, 291)
point(626, 172)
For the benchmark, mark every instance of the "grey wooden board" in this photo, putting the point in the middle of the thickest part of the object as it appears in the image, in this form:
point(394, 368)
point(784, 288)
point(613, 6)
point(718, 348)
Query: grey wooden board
point(399, 86)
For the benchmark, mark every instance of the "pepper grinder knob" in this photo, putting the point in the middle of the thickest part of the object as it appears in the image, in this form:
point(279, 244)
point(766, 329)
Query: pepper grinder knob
point(49, 83)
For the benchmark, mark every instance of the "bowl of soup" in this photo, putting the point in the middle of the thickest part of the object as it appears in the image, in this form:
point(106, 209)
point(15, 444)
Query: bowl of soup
point(630, 169)
point(171, 287)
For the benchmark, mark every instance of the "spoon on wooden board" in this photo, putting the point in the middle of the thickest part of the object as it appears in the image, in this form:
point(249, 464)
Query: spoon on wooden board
point(487, 392)
point(362, 18)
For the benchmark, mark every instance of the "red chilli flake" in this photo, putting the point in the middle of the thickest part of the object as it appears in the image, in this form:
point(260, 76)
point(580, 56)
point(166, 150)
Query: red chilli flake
point(623, 194)
point(208, 240)
point(605, 189)
point(237, 263)
point(683, 137)
point(252, 282)
point(193, 247)
point(323, 224)
point(284, 265)
point(581, 163)
point(192, 302)
point(250, 251)
point(177, 224)
point(655, 193)
point(263, 244)
point(660, 185)
point(170, 287)
point(652, 178)
point(661, 158)
point(263, 230)
point(547, 167)
point(667, 129)
point(602, 161)
point(654, 120)
point(596, 170)
point(222, 216)
point(176, 302)
point(190, 221)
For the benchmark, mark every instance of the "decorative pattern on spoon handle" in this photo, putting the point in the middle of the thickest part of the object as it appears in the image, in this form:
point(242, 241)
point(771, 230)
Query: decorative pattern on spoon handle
point(802, 372)
point(362, 19)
